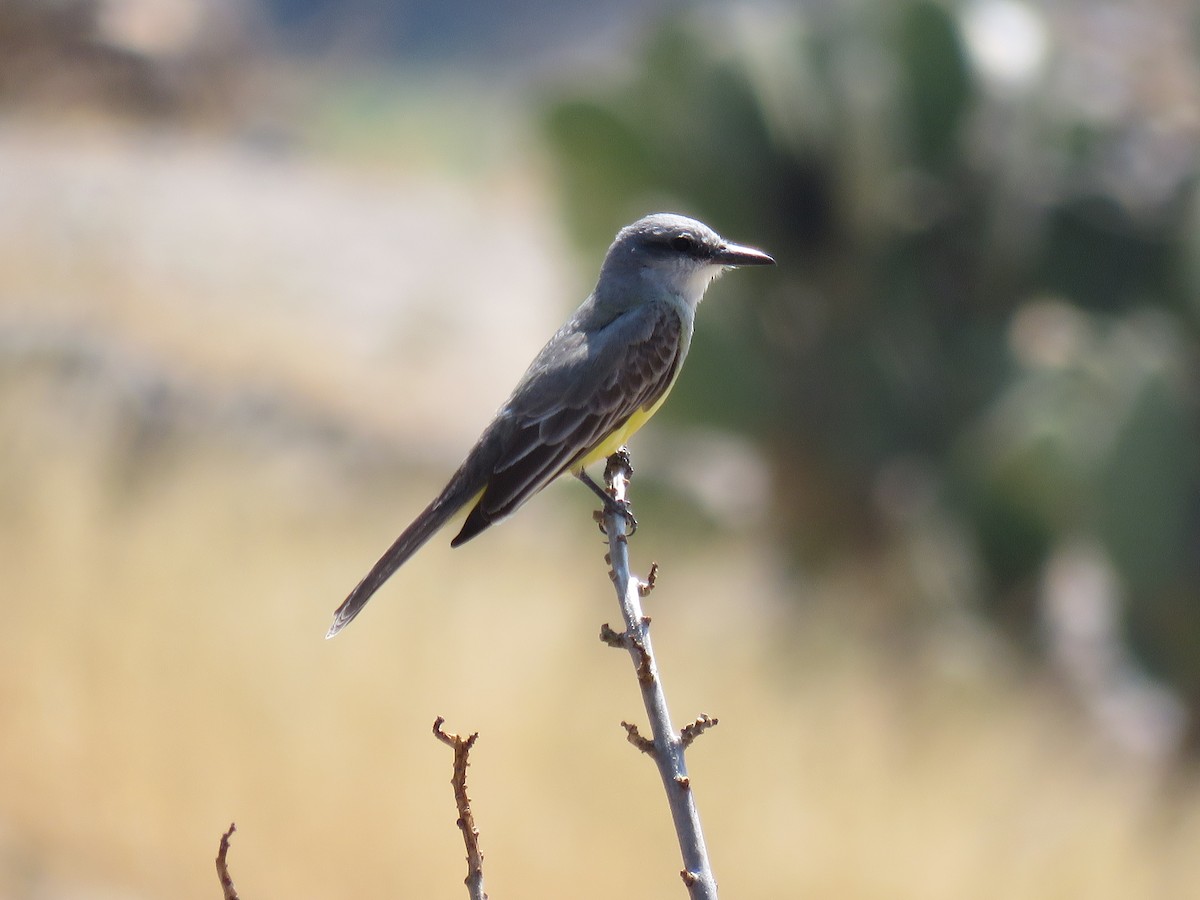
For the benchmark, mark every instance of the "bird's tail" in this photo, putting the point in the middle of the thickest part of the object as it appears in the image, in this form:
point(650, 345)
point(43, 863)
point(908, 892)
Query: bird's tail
point(461, 490)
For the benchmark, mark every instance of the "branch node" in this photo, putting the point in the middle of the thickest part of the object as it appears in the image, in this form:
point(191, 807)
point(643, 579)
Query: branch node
point(619, 465)
point(689, 878)
point(694, 729)
point(612, 638)
point(635, 737)
point(645, 665)
point(684, 782)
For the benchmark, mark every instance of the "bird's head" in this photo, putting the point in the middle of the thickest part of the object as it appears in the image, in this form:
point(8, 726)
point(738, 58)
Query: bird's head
point(675, 254)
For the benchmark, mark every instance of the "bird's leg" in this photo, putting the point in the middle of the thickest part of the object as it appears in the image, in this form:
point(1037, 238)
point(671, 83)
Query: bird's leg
point(611, 504)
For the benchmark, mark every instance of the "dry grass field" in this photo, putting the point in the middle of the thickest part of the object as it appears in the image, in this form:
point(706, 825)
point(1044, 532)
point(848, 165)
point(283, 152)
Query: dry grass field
point(214, 366)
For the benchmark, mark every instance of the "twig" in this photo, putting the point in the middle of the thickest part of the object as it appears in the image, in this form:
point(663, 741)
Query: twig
point(645, 587)
point(466, 819)
point(667, 747)
point(229, 892)
point(695, 729)
point(635, 737)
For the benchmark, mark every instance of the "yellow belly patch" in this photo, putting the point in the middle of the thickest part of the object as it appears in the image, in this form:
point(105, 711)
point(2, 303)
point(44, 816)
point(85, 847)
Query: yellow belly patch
point(618, 438)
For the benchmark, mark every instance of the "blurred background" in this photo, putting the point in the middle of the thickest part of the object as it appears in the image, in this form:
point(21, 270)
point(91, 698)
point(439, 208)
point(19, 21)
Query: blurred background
point(926, 500)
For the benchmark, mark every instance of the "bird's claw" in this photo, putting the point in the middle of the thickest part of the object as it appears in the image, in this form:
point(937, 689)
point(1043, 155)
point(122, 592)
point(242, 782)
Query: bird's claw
point(622, 509)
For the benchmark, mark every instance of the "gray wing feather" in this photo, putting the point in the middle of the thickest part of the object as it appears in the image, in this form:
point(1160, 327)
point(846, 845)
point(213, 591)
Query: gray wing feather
point(579, 390)
point(582, 386)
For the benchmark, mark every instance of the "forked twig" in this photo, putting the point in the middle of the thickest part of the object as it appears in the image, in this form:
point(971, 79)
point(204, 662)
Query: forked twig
point(466, 819)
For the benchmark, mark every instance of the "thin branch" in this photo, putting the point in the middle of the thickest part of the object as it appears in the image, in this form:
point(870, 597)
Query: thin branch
point(229, 892)
point(466, 819)
point(667, 747)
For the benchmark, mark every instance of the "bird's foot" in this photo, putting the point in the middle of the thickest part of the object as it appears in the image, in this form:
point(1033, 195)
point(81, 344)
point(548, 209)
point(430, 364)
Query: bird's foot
point(612, 506)
point(620, 508)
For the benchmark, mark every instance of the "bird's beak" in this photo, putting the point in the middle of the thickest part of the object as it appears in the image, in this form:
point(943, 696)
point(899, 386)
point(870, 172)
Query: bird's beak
point(737, 255)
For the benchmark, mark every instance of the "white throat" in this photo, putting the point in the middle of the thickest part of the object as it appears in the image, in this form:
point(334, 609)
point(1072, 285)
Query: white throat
point(686, 282)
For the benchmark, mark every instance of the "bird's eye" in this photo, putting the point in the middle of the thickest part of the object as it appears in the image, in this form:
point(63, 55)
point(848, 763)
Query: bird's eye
point(683, 243)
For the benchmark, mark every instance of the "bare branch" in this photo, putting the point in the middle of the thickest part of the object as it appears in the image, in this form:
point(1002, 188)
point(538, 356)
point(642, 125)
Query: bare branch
point(229, 892)
point(466, 819)
point(666, 747)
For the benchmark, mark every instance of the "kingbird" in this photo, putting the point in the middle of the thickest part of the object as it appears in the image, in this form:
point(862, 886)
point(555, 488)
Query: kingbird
point(595, 383)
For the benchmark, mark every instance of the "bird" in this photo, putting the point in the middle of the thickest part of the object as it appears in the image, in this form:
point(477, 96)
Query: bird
point(602, 375)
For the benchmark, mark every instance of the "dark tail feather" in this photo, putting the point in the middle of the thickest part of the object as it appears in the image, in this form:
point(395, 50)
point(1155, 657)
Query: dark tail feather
point(454, 497)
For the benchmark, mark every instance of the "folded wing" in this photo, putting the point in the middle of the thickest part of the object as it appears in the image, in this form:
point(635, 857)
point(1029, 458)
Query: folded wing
point(570, 401)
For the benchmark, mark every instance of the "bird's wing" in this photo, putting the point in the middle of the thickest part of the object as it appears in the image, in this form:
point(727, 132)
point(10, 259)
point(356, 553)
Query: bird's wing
point(575, 396)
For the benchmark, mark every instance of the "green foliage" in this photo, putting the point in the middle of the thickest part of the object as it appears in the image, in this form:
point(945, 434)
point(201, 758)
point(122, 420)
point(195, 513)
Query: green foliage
point(995, 278)
point(936, 89)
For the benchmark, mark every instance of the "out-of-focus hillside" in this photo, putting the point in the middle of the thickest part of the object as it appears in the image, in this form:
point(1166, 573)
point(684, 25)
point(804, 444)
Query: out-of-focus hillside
point(241, 343)
point(250, 269)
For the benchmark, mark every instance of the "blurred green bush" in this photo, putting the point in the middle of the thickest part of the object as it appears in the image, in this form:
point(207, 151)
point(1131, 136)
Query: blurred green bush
point(987, 227)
